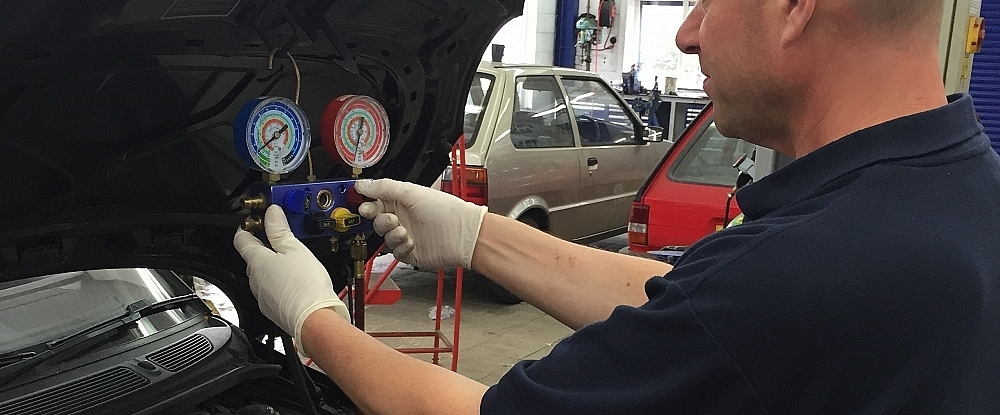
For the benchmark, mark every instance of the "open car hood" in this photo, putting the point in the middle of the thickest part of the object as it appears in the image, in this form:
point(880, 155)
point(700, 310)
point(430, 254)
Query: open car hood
point(117, 116)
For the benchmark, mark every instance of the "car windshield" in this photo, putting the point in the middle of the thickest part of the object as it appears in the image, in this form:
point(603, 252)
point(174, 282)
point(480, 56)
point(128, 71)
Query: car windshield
point(41, 309)
point(475, 105)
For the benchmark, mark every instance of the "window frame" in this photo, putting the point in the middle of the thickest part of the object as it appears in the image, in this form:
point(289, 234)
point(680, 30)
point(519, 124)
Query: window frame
point(637, 125)
point(671, 172)
point(469, 142)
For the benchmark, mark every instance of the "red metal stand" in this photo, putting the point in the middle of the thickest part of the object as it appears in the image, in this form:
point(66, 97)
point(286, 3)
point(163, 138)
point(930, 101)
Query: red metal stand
point(378, 293)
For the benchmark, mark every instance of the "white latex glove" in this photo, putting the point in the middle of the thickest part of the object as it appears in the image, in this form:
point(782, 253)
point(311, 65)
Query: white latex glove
point(424, 227)
point(288, 281)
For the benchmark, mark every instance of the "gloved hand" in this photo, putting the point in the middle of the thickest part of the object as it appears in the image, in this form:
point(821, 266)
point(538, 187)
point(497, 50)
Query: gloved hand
point(288, 281)
point(424, 227)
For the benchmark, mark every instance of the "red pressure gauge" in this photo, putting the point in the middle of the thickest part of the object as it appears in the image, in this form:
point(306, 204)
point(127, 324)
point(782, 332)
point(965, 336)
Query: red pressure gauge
point(355, 130)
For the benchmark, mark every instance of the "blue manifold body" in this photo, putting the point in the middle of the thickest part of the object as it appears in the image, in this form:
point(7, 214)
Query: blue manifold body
point(314, 209)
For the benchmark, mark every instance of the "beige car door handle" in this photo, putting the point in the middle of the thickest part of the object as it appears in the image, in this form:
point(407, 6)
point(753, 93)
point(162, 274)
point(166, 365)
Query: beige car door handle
point(592, 164)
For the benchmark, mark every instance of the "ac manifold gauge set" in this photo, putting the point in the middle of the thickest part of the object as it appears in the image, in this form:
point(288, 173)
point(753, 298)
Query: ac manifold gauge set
point(272, 135)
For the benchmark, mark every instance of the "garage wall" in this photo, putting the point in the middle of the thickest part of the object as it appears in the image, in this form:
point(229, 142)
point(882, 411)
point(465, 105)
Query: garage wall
point(612, 62)
point(529, 38)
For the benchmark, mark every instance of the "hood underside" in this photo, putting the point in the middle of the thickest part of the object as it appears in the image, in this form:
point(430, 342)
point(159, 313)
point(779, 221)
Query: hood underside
point(117, 115)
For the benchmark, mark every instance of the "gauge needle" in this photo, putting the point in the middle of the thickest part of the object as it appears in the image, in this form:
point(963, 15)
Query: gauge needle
point(358, 127)
point(277, 135)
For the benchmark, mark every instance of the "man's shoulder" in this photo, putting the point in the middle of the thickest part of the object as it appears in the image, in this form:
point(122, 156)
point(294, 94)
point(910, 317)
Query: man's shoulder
point(883, 220)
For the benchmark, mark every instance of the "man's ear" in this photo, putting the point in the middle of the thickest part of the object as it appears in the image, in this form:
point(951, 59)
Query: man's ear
point(797, 15)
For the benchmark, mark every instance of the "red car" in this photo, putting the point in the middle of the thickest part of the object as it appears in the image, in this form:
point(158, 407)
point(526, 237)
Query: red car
point(685, 197)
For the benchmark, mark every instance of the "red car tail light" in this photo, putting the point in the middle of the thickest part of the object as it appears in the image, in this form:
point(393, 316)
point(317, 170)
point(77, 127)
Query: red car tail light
point(638, 225)
point(477, 189)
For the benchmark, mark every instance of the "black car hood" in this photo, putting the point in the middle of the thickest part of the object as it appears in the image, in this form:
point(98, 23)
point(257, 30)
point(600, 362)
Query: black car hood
point(117, 114)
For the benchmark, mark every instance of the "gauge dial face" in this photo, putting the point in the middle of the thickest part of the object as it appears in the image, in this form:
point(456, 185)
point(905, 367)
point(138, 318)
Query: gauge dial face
point(275, 135)
point(355, 130)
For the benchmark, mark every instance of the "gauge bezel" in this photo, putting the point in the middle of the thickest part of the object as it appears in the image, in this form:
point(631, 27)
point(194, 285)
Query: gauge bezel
point(337, 119)
point(253, 116)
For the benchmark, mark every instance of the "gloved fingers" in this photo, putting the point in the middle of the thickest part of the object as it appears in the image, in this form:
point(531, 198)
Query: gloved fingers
point(278, 233)
point(372, 209)
point(249, 246)
point(390, 191)
point(378, 189)
point(364, 187)
point(385, 223)
point(397, 237)
point(403, 251)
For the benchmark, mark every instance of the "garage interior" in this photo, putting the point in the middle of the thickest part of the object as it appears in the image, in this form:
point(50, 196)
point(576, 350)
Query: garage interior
point(197, 119)
point(496, 336)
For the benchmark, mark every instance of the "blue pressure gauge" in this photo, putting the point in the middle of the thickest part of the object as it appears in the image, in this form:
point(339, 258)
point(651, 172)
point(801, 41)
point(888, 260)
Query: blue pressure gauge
point(271, 134)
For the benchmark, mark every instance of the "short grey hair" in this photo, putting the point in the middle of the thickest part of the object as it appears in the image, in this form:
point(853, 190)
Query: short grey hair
point(900, 12)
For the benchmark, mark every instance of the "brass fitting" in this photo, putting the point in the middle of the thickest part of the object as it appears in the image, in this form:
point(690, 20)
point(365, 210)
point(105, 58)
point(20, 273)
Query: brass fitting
point(359, 252)
point(324, 199)
point(253, 224)
point(254, 202)
point(359, 248)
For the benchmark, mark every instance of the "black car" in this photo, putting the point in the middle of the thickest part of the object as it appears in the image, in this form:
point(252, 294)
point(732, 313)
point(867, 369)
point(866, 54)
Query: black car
point(121, 179)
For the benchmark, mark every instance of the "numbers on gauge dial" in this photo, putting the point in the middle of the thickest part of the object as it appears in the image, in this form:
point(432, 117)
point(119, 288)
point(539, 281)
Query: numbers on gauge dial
point(278, 138)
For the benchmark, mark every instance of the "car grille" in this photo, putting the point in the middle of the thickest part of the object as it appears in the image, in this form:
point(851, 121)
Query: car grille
point(182, 354)
point(77, 396)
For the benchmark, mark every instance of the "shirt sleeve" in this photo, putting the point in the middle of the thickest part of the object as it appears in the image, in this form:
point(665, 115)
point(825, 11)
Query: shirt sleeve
point(654, 359)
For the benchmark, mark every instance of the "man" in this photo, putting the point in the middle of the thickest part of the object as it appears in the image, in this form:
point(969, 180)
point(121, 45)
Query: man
point(865, 279)
point(631, 77)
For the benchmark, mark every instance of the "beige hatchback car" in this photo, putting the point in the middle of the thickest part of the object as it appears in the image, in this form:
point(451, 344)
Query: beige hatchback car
point(555, 148)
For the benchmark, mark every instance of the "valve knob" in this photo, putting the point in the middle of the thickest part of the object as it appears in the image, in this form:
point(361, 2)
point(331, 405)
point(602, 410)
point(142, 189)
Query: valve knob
point(254, 203)
point(253, 224)
point(354, 199)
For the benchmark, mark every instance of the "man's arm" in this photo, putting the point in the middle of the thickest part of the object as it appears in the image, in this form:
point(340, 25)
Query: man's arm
point(573, 283)
point(576, 284)
point(381, 380)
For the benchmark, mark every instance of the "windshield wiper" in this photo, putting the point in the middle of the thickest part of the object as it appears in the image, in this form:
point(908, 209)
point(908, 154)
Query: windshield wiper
point(133, 313)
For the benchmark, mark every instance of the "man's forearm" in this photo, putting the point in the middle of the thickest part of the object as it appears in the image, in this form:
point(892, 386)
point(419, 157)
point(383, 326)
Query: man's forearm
point(381, 380)
point(576, 284)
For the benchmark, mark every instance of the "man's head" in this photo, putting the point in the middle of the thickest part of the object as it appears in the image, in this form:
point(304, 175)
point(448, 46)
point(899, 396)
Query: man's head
point(773, 65)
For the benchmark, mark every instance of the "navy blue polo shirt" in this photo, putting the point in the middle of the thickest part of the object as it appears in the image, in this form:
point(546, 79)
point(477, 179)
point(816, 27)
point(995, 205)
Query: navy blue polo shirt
point(866, 279)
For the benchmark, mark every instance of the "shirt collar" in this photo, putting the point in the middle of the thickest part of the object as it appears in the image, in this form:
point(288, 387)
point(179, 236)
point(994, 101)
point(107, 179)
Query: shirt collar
point(898, 139)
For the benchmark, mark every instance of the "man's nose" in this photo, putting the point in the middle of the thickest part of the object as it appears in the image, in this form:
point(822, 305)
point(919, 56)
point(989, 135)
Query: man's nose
point(687, 36)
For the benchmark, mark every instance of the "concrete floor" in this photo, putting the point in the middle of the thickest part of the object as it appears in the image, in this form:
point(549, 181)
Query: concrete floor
point(493, 336)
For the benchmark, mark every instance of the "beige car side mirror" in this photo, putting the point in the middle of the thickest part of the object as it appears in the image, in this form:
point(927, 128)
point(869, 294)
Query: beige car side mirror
point(652, 134)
